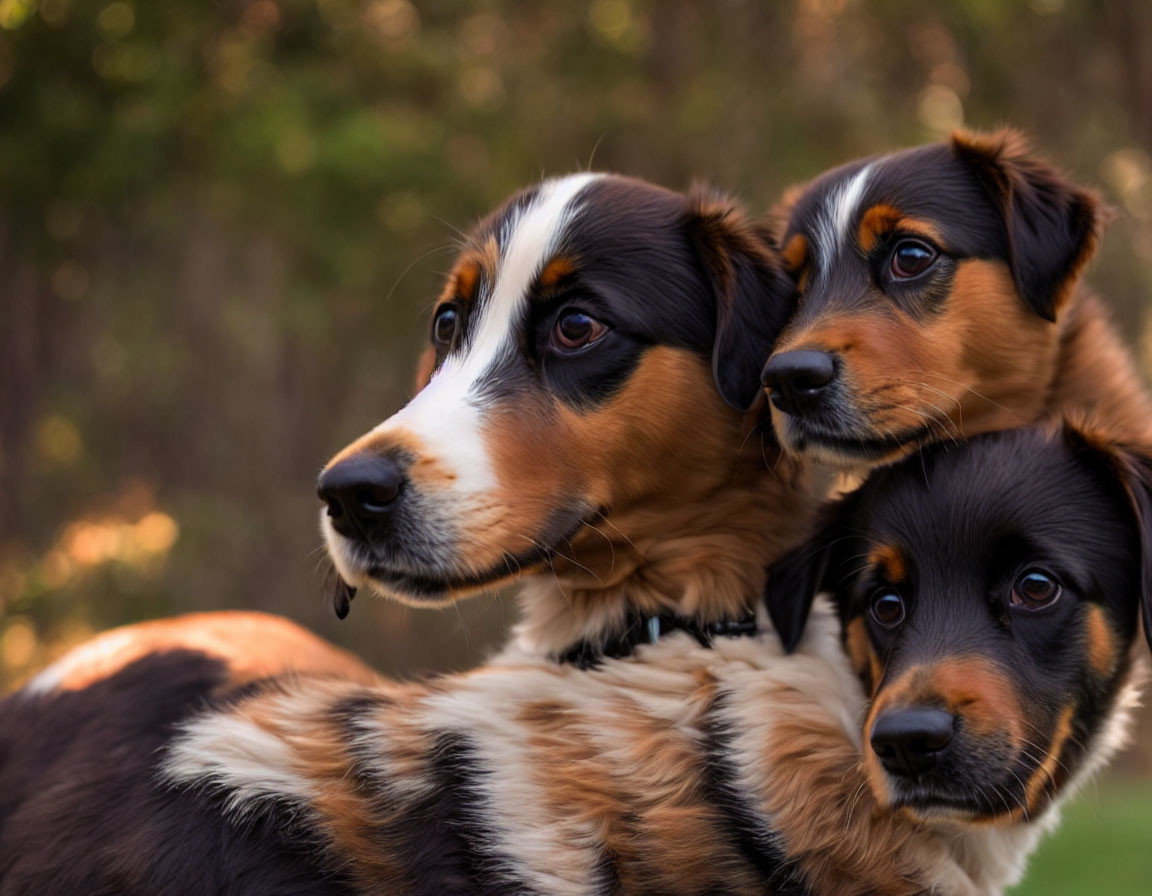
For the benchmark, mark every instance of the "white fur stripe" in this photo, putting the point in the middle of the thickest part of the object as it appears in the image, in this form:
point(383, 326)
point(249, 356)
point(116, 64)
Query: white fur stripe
point(446, 415)
point(251, 764)
point(833, 229)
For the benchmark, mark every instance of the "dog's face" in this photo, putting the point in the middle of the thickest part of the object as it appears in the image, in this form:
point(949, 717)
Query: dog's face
point(597, 344)
point(989, 597)
point(931, 281)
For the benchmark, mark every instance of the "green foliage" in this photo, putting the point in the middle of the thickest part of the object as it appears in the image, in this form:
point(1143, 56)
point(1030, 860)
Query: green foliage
point(1102, 846)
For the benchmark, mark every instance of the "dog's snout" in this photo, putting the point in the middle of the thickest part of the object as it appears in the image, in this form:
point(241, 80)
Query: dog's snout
point(361, 492)
point(798, 378)
point(909, 742)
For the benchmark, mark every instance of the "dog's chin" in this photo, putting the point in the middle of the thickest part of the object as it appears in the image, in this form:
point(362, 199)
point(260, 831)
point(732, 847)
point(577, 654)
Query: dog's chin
point(847, 450)
point(431, 591)
point(944, 803)
point(405, 580)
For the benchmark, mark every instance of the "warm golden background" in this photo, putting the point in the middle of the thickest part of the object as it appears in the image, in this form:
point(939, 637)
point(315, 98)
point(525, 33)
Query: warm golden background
point(221, 224)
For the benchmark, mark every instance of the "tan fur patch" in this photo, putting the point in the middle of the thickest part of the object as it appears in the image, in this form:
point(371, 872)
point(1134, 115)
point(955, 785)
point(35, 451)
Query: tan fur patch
point(251, 645)
point(1046, 774)
point(890, 561)
point(795, 254)
point(835, 825)
point(875, 222)
point(425, 367)
point(867, 664)
point(1100, 643)
point(556, 270)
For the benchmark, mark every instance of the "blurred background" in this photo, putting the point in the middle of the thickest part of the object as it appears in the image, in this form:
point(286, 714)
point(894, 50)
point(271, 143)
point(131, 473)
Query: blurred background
point(222, 224)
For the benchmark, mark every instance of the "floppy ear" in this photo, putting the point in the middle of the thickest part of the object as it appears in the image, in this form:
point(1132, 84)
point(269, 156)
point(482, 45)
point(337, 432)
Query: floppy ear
point(1051, 225)
point(798, 576)
point(793, 583)
point(1138, 470)
point(753, 294)
point(1142, 500)
point(1133, 467)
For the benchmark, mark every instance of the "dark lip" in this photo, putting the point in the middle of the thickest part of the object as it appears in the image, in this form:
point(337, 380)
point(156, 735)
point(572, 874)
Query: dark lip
point(433, 588)
point(861, 446)
point(928, 798)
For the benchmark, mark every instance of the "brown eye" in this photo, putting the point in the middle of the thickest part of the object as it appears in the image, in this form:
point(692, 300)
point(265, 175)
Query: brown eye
point(444, 328)
point(1035, 590)
point(887, 609)
point(575, 330)
point(911, 258)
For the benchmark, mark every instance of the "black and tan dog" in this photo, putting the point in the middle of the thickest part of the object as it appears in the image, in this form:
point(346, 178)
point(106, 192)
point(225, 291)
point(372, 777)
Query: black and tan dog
point(589, 423)
point(989, 596)
point(939, 299)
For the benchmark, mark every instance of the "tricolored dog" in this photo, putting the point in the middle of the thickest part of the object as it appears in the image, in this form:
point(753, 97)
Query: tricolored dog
point(989, 596)
point(939, 298)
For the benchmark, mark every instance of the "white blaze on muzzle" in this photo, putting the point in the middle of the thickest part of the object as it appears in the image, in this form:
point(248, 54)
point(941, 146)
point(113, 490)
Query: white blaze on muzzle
point(445, 420)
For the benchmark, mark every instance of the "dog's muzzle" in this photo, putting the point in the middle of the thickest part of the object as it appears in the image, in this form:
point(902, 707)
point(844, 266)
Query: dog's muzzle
point(362, 494)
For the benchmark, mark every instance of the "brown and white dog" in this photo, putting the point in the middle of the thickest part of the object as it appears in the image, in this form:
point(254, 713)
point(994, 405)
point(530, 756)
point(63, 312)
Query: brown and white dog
point(939, 299)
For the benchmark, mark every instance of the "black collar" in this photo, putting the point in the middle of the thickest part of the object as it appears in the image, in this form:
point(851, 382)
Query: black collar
point(639, 629)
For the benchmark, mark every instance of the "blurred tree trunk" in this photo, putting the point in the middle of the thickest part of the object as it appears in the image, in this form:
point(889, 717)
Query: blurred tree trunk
point(21, 373)
point(1130, 22)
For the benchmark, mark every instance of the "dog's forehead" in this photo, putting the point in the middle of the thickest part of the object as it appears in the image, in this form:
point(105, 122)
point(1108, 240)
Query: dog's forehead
point(951, 502)
point(585, 213)
point(926, 184)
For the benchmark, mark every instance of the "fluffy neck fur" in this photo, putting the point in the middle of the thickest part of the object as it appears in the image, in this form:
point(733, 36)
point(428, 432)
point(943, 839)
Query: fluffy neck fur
point(1096, 375)
point(701, 558)
point(633, 759)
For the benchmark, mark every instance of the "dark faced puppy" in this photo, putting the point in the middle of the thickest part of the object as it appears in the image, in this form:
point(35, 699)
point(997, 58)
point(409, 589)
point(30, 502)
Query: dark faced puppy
point(582, 414)
point(937, 300)
point(989, 594)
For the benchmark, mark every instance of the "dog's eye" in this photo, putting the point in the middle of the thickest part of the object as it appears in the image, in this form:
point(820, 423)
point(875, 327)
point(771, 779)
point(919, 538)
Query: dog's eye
point(575, 330)
point(444, 328)
point(1035, 590)
point(887, 609)
point(911, 258)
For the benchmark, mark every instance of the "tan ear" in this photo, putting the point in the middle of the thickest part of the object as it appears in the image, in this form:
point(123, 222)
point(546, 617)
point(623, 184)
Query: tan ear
point(754, 297)
point(1051, 225)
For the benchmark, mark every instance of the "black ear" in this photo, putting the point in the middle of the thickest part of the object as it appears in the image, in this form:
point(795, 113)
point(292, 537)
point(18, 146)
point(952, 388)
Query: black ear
point(1138, 470)
point(1142, 499)
point(1133, 467)
point(793, 583)
point(753, 294)
point(1051, 226)
point(798, 576)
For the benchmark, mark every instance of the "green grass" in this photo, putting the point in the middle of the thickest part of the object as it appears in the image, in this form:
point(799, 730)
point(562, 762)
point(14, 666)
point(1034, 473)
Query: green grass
point(1102, 848)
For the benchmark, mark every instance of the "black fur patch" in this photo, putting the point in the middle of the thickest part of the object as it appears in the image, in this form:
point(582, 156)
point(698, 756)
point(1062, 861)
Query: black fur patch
point(82, 809)
point(440, 835)
point(757, 844)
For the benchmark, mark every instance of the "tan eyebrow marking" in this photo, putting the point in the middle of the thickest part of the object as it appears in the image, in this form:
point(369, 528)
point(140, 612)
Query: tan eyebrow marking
point(890, 561)
point(556, 270)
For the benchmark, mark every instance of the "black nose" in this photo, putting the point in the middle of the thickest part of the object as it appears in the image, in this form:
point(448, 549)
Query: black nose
point(798, 379)
point(360, 492)
point(909, 742)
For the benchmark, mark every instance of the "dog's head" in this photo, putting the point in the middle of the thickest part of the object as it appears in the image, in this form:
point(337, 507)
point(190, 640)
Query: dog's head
point(931, 281)
point(598, 343)
point(989, 596)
